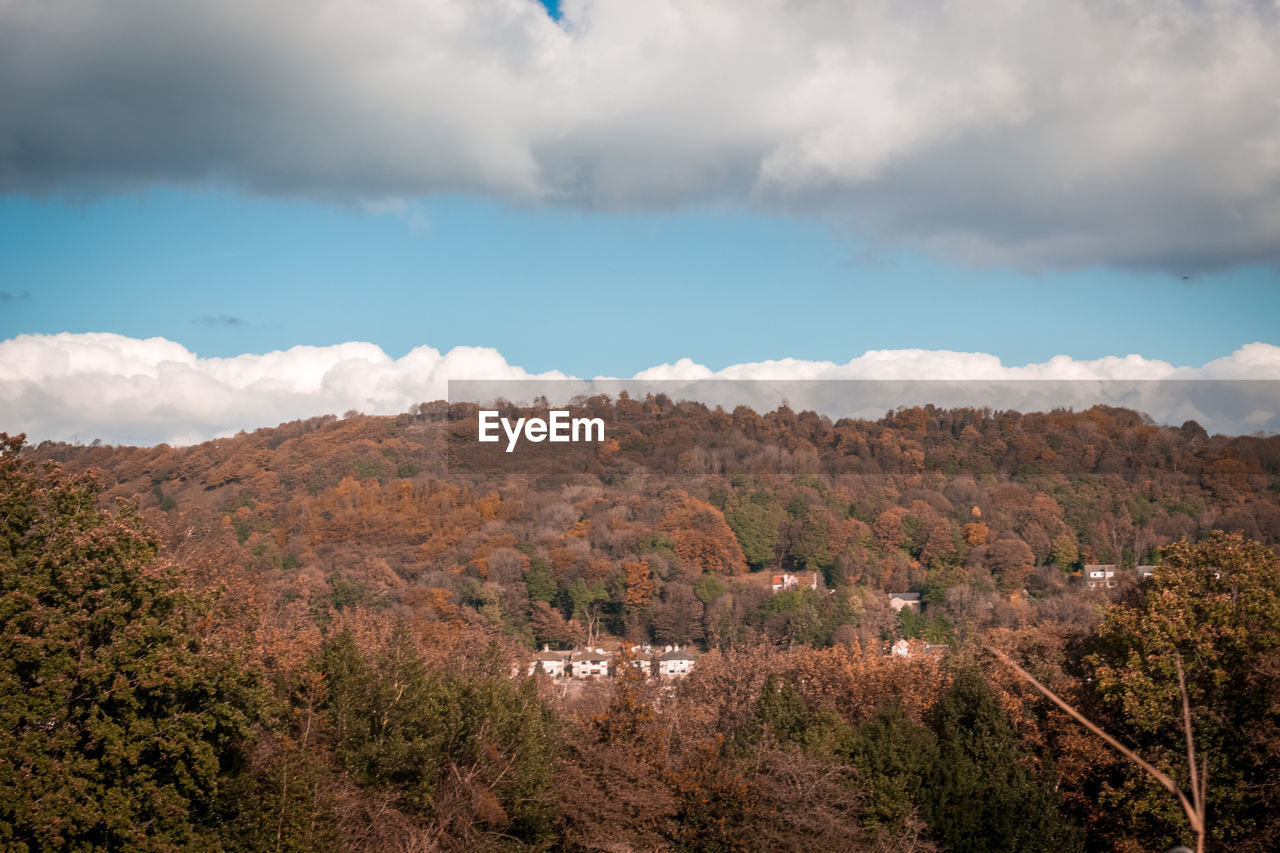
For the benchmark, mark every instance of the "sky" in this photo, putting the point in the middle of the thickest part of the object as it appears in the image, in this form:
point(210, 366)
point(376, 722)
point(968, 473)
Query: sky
point(269, 198)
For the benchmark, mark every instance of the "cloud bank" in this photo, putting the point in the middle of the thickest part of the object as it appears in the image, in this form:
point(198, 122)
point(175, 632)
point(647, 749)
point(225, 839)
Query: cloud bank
point(1023, 132)
point(125, 390)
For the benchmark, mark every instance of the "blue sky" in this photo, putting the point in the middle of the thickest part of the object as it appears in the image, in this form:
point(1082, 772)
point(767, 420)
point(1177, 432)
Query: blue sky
point(590, 294)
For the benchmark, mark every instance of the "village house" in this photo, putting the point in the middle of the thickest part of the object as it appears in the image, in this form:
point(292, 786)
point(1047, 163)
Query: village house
point(784, 581)
point(1100, 575)
point(591, 663)
point(915, 648)
point(1145, 572)
point(899, 600)
point(552, 663)
point(675, 662)
point(598, 663)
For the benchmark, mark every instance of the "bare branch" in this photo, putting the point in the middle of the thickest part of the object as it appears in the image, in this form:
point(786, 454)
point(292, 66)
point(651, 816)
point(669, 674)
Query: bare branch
point(1196, 792)
point(1193, 811)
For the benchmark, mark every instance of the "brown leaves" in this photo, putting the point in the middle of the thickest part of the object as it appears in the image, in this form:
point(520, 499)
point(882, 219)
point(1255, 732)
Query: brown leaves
point(702, 539)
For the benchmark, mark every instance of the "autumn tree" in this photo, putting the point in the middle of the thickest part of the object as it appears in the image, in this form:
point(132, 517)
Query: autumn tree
point(640, 586)
point(1216, 604)
point(702, 539)
point(617, 775)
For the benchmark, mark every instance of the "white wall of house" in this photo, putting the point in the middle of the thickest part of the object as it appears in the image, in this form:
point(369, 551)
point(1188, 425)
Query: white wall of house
point(590, 667)
point(675, 667)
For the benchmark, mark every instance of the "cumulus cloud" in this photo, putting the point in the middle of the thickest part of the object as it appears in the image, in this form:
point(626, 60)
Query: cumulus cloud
point(131, 391)
point(126, 390)
point(1236, 394)
point(1252, 361)
point(1126, 132)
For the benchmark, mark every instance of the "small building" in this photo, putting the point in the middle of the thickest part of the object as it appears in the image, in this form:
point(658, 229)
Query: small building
point(899, 600)
point(675, 663)
point(1145, 572)
point(552, 663)
point(786, 581)
point(914, 648)
point(590, 663)
point(1100, 575)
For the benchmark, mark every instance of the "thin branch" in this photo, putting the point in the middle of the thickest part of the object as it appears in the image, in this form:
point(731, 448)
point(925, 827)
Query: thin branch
point(1194, 814)
point(1186, 725)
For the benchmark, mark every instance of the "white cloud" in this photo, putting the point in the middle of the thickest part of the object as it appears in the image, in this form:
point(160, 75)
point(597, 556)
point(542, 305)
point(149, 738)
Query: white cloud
point(882, 380)
point(1031, 132)
point(126, 390)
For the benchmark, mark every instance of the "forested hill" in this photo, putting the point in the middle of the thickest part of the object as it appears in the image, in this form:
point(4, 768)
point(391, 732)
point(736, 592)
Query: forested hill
point(685, 504)
point(318, 636)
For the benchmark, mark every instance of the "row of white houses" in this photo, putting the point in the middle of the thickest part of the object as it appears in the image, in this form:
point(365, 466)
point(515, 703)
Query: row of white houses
point(672, 662)
point(1104, 575)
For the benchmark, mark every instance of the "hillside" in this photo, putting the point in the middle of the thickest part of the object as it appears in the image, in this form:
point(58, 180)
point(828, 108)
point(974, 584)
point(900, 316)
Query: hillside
point(964, 506)
point(357, 602)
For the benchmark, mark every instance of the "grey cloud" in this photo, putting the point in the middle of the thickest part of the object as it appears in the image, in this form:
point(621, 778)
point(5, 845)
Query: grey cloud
point(1033, 134)
point(7, 297)
point(222, 320)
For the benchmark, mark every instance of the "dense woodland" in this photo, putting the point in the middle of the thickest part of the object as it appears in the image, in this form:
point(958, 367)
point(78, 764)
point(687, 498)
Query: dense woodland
point(304, 638)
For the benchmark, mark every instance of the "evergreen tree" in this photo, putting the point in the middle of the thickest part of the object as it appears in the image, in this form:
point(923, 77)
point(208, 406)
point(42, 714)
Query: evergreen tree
point(119, 728)
point(473, 750)
point(755, 522)
point(893, 756)
point(982, 793)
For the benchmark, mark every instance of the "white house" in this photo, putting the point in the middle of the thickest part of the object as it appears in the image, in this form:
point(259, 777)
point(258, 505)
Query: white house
point(1100, 575)
point(591, 663)
point(909, 648)
point(899, 600)
point(675, 663)
point(552, 663)
point(787, 581)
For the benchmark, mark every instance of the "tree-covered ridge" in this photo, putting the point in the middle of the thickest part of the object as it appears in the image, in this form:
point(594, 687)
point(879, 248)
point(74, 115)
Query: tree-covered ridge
point(367, 615)
point(661, 538)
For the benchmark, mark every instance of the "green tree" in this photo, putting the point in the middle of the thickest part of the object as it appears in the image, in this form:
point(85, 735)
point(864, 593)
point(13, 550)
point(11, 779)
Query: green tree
point(709, 587)
point(893, 756)
point(918, 626)
point(812, 551)
point(755, 522)
point(538, 581)
point(982, 793)
point(1063, 552)
point(1216, 604)
point(473, 749)
point(119, 728)
point(780, 712)
point(587, 600)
